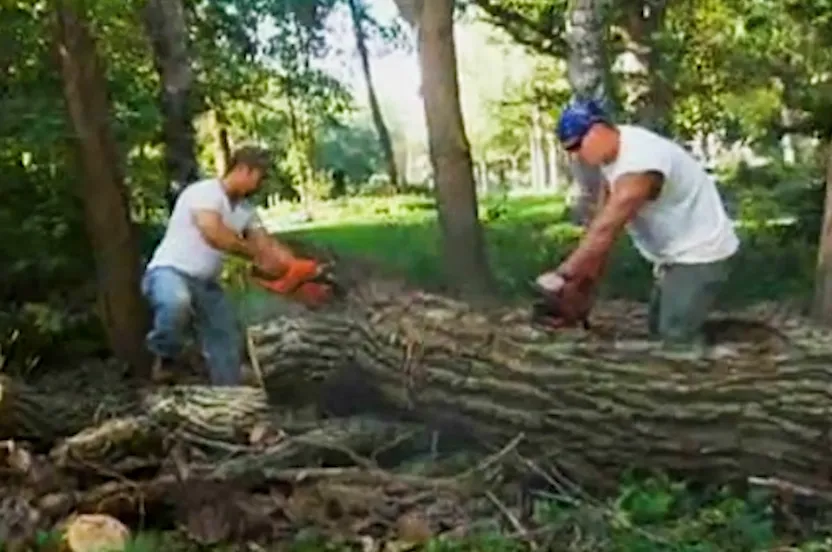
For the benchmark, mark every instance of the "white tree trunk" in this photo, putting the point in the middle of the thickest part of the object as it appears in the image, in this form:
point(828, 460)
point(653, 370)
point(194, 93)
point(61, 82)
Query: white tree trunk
point(787, 141)
point(587, 66)
point(554, 175)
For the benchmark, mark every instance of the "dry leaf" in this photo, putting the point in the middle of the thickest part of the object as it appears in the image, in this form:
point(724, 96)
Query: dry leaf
point(207, 511)
point(414, 528)
point(19, 458)
point(18, 519)
point(368, 544)
point(55, 504)
point(208, 524)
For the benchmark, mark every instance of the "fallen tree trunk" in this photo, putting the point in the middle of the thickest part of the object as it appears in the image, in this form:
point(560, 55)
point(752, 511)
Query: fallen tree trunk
point(225, 414)
point(592, 407)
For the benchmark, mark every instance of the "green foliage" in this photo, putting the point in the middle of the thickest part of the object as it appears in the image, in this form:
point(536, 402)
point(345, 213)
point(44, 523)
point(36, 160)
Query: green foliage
point(352, 150)
point(47, 282)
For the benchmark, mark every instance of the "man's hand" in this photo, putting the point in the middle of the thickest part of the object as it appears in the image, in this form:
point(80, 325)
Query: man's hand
point(568, 306)
point(272, 258)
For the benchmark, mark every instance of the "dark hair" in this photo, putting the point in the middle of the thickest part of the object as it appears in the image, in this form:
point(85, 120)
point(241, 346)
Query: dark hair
point(251, 157)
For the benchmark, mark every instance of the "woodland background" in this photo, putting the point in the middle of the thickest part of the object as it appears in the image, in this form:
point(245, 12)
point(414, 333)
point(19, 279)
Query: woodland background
point(417, 134)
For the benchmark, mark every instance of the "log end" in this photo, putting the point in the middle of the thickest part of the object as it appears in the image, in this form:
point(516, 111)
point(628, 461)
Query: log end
point(94, 533)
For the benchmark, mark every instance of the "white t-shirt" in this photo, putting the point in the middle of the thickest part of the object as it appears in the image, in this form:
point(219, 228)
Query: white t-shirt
point(183, 246)
point(687, 222)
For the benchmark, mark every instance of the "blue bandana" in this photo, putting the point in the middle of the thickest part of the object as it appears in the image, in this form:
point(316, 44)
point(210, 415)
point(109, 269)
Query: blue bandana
point(576, 120)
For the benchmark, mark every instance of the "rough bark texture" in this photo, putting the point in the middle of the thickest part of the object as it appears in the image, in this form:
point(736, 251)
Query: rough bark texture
point(222, 146)
point(111, 233)
point(30, 413)
point(132, 428)
point(411, 11)
point(589, 406)
point(463, 244)
point(167, 30)
point(357, 13)
point(823, 277)
point(587, 70)
point(643, 20)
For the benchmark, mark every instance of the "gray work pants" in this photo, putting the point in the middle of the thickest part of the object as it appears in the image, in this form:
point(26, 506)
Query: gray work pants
point(682, 296)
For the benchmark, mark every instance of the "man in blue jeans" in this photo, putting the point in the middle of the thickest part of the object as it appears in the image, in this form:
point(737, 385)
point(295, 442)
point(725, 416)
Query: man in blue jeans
point(210, 218)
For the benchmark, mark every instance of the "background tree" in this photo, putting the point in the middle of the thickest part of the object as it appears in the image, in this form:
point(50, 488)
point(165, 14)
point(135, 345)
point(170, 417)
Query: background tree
point(120, 305)
point(357, 12)
point(166, 26)
point(463, 245)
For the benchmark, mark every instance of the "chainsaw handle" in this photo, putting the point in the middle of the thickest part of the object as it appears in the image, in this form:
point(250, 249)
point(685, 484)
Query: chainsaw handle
point(547, 310)
point(542, 292)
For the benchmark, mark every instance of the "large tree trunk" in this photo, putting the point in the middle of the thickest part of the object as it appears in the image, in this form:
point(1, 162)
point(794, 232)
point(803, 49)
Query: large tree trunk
point(587, 70)
point(643, 21)
point(112, 236)
point(167, 30)
point(589, 406)
point(823, 275)
point(383, 135)
point(463, 244)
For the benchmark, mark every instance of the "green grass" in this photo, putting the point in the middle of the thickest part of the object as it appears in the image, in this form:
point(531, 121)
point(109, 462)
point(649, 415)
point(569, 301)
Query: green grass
point(526, 235)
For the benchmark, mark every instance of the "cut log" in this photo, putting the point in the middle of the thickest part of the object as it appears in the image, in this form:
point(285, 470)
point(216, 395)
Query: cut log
point(94, 533)
point(224, 414)
point(595, 406)
point(26, 413)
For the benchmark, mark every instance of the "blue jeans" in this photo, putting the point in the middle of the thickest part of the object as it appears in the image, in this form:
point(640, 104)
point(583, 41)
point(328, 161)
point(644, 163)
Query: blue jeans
point(176, 300)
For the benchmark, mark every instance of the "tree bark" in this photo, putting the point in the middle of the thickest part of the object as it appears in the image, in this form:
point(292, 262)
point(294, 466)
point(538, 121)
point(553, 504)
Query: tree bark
point(538, 157)
point(822, 310)
point(111, 233)
point(378, 119)
point(222, 147)
point(463, 243)
point(167, 29)
point(643, 20)
point(30, 413)
point(587, 71)
point(591, 407)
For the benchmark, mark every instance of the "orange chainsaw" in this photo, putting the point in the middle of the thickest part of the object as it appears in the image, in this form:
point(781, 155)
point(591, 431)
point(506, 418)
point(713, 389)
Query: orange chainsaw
point(305, 281)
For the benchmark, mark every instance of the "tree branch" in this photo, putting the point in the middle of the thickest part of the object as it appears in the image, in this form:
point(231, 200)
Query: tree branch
point(541, 35)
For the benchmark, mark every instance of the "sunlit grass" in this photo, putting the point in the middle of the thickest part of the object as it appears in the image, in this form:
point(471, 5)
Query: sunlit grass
point(526, 235)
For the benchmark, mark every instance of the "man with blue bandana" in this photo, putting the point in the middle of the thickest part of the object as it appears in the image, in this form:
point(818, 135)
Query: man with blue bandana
point(671, 209)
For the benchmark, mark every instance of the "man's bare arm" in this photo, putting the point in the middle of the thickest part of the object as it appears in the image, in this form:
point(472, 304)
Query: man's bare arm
point(630, 193)
point(220, 236)
point(259, 240)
